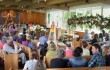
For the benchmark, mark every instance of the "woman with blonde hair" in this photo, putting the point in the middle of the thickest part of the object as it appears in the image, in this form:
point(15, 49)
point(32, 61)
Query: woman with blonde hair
point(51, 50)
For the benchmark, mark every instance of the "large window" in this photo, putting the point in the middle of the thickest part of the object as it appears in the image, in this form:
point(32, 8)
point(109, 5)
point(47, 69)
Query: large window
point(87, 11)
point(56, 16)
point(60, 17)
point(106, 11)
point(79, 12)
point(96, 10)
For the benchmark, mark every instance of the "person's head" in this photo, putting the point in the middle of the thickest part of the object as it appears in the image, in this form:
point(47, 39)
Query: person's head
point(100, 35)
point(28, 38)
point(92, 33)
point(77, 52)
point(60, 53)
point(61, 45)
point(45, 45)
point(103, 32)
point(96, 48)
point(96, 36)
point(34, 54)
point(9, 42)
point(86, 31)
point(52, 46)
point(43, 33)
point(84, 44)
point(4, 39)
point(68, 44)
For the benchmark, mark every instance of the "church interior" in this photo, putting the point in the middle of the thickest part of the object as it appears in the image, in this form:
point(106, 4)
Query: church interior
point(54, 35)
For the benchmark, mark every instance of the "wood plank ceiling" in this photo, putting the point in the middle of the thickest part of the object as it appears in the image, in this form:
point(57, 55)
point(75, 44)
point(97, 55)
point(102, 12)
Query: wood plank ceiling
point(43, 4)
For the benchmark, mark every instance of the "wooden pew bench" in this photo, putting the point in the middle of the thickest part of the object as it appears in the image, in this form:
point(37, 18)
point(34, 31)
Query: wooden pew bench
point(83, 68)
point(26, 49)
point(47, 60)
point(10, 60)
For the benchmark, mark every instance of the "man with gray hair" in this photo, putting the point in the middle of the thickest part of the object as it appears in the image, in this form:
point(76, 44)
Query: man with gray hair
point(11, 48)
point(87, 35)
point(59, 62)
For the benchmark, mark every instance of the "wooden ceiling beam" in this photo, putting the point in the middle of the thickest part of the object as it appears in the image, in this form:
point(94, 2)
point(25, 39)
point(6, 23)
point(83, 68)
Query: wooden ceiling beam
point(18, 0)
point(103, 1)
point(34, 1)
point(57, 7)
point(79, 2)
point(8, 2)
point(50, 2)
point(41, 4)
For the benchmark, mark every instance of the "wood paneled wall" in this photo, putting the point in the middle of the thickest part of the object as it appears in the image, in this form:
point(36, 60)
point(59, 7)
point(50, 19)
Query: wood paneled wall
point(37, 17)
point(24, 16)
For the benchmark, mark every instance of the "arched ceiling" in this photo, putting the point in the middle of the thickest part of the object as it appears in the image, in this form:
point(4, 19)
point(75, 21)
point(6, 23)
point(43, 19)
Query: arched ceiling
point(44, 4)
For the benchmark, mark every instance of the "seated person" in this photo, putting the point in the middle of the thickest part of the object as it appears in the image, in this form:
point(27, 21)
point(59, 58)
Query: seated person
point(31, 64)
point(95, 39)
point(108, 58)
point(87, 35)
point(106, 37)
point(85, 51)
point(92, 34)
point(19, 39)
point(24, 42)
point(43, 38)
point(100, 37)
point(30, 44)
point(68, 51)
point(59, 62)
point(77, 60)
point(43, 51)
point(11, 48)
point(97, 58)
point(51, 50)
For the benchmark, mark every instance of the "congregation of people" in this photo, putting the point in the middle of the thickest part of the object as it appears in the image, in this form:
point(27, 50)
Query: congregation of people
point(37, 39)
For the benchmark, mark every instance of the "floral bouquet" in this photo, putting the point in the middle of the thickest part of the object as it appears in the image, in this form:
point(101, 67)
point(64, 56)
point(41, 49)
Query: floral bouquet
point(65, 38)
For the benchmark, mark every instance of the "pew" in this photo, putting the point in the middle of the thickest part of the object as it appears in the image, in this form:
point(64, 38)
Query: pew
point(75, 43)
point(26, 49)
point(83, 68)
point(47, 60)
point(81, 34)
point(10, 60)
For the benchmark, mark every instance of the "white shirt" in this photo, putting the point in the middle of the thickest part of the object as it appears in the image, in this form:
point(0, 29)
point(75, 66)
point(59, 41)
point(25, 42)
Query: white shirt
point(11, 50)
point(30, 65)
point(8, 49)
point(85, 52)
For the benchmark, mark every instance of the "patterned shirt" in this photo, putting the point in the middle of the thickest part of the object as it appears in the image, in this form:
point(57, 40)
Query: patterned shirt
point(97, 60)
